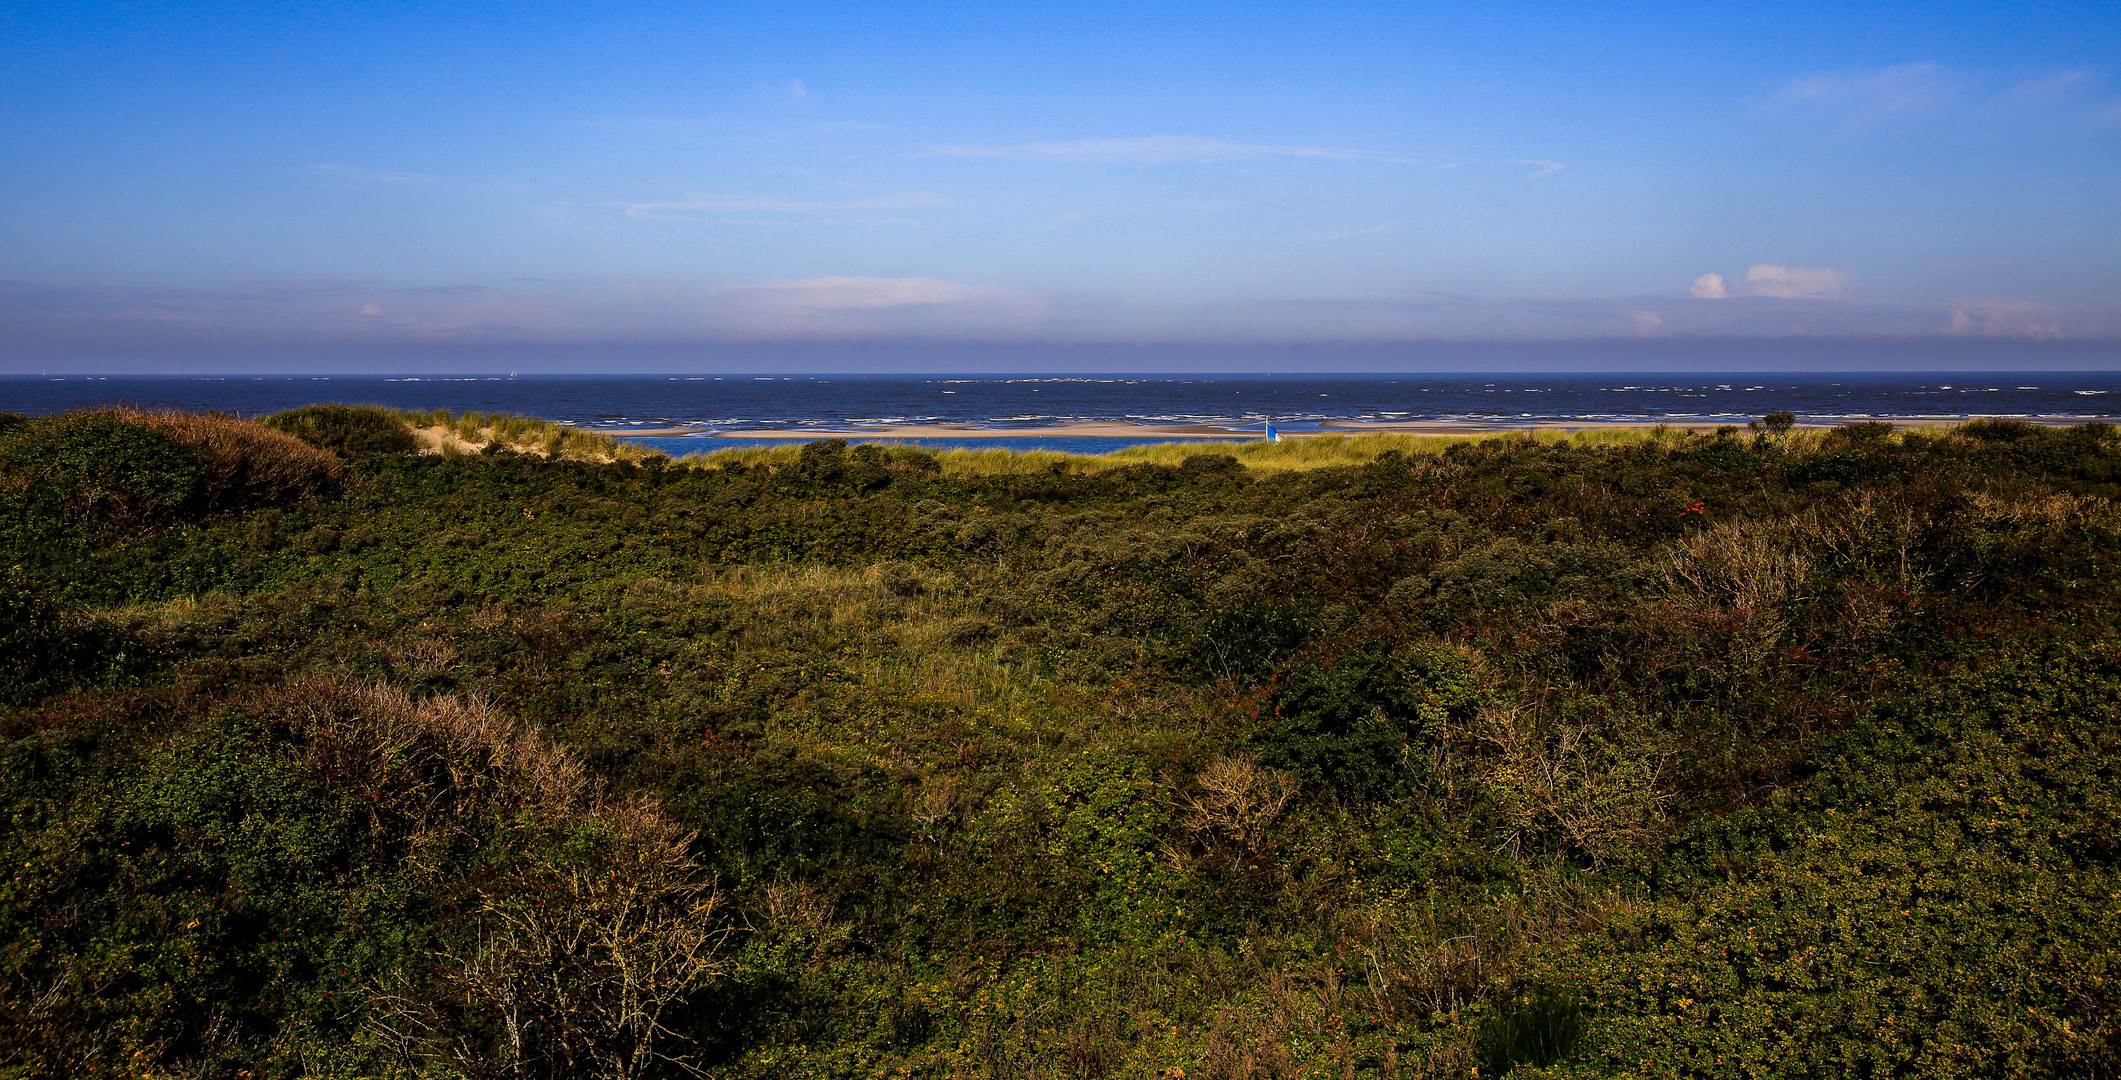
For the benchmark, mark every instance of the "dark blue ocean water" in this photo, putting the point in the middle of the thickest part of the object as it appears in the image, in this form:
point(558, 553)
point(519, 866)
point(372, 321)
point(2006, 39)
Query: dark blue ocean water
point(1292, 402)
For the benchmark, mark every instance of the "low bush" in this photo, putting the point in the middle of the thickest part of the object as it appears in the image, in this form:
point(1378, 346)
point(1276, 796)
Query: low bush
point(98, 466)
point(40, 641)
point(245, 464)
point(347, 430)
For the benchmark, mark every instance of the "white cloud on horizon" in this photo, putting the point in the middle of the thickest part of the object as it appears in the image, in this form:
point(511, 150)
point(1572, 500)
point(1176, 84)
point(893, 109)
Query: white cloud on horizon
point(1777, 282)
point(2003, 318)
point(868, 293)
point(1797, 282)
point(849, 308)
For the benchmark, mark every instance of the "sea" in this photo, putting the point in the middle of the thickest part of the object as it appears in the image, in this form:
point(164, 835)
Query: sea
point(738, 404)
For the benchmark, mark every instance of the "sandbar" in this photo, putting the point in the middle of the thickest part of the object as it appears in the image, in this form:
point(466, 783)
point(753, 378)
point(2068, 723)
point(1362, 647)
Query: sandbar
point(1103, 429)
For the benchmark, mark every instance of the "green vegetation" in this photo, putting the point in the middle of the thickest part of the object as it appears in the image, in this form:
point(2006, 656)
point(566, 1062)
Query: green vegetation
point(347, 430)
point(1756, 753)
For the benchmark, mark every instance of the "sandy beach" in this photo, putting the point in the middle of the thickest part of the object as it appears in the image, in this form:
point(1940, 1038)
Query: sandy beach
point(1090, 430)
point(1115, 430)
point(1121, 430)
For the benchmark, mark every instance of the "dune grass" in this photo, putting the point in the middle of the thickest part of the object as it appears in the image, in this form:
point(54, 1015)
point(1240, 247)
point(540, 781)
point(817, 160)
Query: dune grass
point(450, 433)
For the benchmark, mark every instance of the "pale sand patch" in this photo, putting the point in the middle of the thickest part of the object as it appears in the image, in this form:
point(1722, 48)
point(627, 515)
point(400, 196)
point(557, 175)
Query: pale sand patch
point(438, 439)
point(644, 432)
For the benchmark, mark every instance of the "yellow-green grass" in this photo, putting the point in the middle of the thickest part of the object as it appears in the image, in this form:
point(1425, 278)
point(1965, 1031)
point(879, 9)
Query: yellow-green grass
point(1317, 452)
point(442, 431)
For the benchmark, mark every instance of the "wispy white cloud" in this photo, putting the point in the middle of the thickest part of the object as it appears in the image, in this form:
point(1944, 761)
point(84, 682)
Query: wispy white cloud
point(1160, 208)
point(1910, 94)
point(1203, 150)
point(1354, 233)
point(1540, 166)
point(353, 176)
point(1708, 287)
point(858, 293)
point(807, 309)
point(1902, 90)
point(731, 208)
point(1157, 150)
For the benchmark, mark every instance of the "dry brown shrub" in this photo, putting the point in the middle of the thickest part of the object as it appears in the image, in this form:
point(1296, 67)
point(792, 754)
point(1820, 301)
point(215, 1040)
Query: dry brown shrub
point(935, 801)
point(1236, 799)
point(1244, 1044)
point(1736, 582)
point(1415, 967)
point(573, 966)
point(458, 749)
point(580, 979)
point(245, 462)
point(425, 654)
point(2051, 509)
point(1599, 797)
point(1729, 605)
point(1424, 961)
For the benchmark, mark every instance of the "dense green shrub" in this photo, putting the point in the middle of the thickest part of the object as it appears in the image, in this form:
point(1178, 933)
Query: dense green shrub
point(137, 468)
point(347, 430)
point(39, 641)
point(1862, 431)
point(1349, 716)
point(98, 466)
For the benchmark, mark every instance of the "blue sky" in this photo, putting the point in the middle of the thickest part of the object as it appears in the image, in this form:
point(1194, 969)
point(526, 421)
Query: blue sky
point(296, 176)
